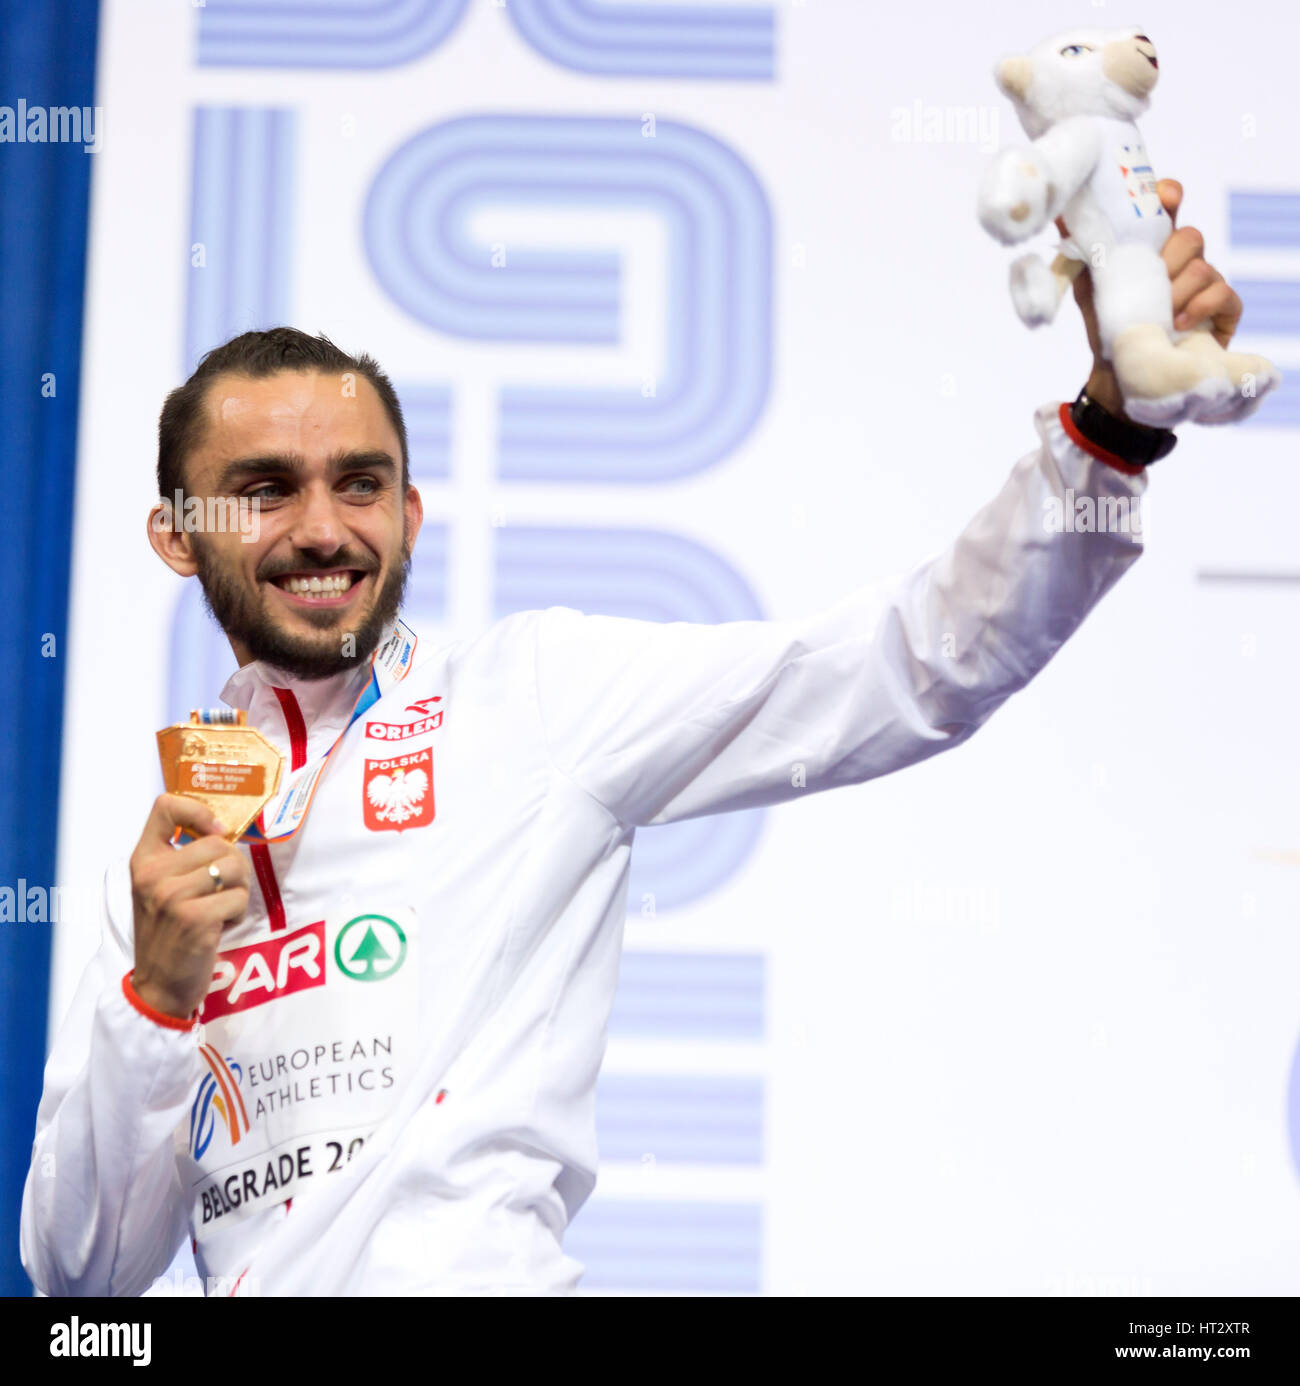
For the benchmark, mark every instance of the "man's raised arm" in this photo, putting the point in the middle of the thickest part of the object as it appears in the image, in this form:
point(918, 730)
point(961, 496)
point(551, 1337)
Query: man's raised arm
point(665, 722)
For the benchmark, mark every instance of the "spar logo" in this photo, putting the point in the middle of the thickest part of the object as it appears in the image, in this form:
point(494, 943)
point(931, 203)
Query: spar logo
point(398, 793)
point(218, 1097)
point(370, 948)
point(265, 971)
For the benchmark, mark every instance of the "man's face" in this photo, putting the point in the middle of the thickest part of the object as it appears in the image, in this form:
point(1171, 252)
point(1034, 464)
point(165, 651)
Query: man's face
point(324, 576)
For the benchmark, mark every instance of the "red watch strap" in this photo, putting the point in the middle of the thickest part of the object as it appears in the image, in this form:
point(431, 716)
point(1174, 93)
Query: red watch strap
point(1093, 449)
point(170, 1022)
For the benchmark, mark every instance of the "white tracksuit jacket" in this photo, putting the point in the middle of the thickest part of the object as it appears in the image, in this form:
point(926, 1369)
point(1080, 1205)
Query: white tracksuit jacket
point(391, 1089)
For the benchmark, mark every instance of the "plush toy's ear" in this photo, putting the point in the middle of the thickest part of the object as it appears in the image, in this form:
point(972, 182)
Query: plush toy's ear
point(1013, 76)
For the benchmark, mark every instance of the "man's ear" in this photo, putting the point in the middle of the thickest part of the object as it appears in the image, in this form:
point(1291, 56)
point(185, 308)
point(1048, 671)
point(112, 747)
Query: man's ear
point(1013, 76)
point(170, 541)
point(412, 516)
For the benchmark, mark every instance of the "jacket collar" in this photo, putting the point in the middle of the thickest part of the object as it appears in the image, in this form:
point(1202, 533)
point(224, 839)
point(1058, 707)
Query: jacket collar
point(269, 696)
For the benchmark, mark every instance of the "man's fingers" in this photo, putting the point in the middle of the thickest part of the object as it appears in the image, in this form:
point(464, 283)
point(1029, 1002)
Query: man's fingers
point(1220, 304)
point(166, 879)
point(172, 811)
point(234, 876)
point(1198, 292)
point(231, 905)
point(232, 865)
point(1182, 247)
point(1193, 279)
point(197, 854)
point(203, 911)
point(1170, 192)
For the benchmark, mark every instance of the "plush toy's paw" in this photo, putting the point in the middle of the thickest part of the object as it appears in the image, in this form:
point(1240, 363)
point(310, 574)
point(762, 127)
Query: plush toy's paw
point(1014, 197)
point(1164, 385)
point(1252, 378)
point(1195, 404)
point(1034, 290)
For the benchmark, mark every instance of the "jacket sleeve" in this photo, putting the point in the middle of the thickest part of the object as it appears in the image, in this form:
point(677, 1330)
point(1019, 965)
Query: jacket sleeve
point(661, 722)
point(103, 1209)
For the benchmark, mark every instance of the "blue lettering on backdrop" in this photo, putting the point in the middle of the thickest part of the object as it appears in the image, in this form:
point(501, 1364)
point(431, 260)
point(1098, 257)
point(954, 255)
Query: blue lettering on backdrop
point(708, 42)
point(291, 33)
point(735, 43)
point(1269, 221)
point(717, 356)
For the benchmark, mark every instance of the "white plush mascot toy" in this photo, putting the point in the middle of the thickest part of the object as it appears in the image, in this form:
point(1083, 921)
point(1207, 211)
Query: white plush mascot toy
point(1077, 96)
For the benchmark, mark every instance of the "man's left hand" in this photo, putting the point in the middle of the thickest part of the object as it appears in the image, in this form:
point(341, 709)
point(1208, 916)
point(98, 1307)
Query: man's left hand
point(1199, 294)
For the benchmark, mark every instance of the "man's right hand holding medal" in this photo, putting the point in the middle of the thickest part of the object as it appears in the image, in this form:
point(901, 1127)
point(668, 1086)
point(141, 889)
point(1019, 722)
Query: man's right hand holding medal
point(183, 897)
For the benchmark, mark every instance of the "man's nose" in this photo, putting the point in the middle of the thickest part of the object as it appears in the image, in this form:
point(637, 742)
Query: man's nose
point(317, 525)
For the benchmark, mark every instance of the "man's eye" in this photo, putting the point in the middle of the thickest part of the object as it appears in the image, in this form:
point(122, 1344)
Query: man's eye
point(368, 482)
point(267, 491)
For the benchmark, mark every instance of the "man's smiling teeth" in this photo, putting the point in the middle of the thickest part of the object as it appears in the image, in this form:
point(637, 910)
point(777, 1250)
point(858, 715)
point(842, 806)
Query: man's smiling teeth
point(333, 585)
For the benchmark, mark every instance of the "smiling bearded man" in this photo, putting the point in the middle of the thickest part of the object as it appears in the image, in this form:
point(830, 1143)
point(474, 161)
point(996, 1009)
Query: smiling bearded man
point(373, 1071)
point(238, 430)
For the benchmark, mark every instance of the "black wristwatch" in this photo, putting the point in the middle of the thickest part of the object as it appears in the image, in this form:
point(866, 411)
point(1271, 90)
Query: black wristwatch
point(1131, 442)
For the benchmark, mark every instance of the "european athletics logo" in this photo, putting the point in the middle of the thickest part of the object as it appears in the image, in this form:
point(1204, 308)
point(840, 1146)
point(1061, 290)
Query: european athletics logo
point(220, 1090)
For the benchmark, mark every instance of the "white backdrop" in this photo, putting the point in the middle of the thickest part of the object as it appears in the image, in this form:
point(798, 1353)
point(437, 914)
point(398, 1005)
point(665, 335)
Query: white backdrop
point(1028, 1013)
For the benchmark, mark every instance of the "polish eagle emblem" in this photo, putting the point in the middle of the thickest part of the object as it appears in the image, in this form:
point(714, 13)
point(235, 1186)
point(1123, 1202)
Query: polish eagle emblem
point(397, 797)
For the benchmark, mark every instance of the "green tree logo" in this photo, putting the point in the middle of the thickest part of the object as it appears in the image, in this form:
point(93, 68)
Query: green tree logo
point(370, 948)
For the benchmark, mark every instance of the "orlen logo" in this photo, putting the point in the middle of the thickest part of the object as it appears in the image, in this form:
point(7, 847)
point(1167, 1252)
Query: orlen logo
point(265, 971)
point(396, 731)
point(400, 731)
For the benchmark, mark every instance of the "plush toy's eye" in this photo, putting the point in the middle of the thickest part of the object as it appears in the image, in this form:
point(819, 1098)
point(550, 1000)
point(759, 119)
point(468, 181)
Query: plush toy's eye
point(1074, 49)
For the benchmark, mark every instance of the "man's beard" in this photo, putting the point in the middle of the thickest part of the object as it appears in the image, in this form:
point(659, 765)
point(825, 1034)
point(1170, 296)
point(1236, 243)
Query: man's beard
point(242, 618)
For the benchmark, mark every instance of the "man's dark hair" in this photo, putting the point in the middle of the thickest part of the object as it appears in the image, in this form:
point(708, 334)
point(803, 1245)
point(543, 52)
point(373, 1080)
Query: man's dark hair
point(257, 355)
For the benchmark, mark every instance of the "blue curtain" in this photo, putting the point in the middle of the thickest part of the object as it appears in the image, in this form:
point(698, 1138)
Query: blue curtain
point(47, 59)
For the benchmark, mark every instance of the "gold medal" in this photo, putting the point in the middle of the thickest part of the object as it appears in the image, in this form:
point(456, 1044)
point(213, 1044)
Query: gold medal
point(218, 760)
